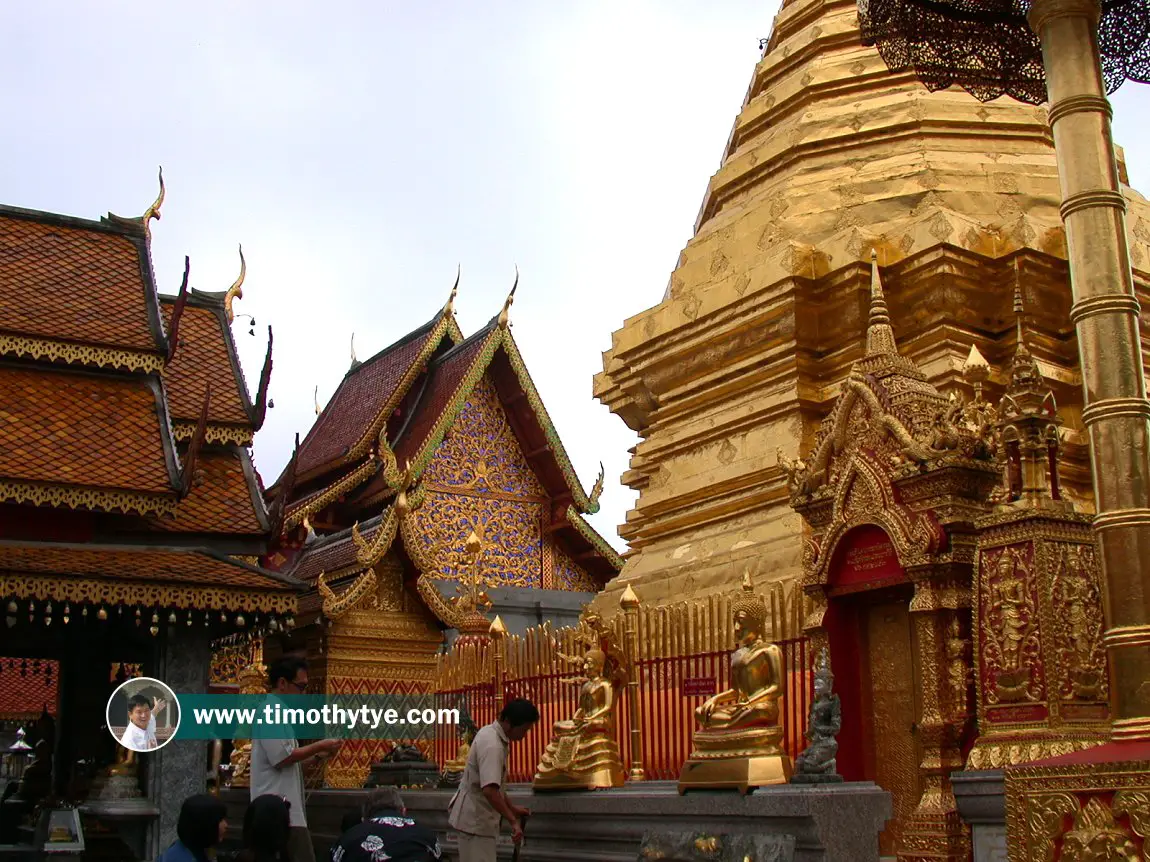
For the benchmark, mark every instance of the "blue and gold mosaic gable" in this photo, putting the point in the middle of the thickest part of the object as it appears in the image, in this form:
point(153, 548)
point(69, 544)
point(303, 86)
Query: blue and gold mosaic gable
point(479, 480)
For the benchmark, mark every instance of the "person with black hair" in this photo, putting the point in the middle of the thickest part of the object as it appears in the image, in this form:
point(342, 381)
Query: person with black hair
point(267, 830)
point(140, 734)
point(481, 803)
point(203, 823)
point(276, 763)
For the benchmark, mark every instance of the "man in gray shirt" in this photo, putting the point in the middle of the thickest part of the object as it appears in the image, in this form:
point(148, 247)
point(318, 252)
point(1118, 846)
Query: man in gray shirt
point(276, 763)
point(478, 807)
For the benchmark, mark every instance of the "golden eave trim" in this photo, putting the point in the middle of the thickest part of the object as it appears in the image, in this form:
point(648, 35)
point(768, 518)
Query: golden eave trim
point(118, 591)
point(99, 500)
point(598, 542)
point(216, 434)
point(335, 606)
point(80, 354)
point(332, 492)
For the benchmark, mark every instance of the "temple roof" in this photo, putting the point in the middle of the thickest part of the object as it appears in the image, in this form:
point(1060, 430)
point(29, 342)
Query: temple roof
point(367, 397)
point(335, 554)
point(85, 429)
point(206, 355)
point(227, 500)
point(74, 281)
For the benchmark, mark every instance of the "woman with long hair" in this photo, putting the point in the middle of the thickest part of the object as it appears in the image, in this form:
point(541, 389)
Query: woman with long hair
point(202, 825)
point(267, 824)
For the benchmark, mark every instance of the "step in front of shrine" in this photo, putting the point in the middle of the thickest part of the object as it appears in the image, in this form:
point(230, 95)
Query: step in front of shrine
point(830, 823)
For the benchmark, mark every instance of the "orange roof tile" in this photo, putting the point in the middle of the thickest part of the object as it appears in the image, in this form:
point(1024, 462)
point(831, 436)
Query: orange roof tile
point(223, 502)
point(76, 280)
point(136, 563)
point(84, 429)
point(206, 355)
point(28, 687)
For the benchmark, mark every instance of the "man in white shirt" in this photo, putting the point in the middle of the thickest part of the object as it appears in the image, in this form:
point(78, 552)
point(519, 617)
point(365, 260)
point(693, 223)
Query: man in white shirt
point(481, 803)
point(275, 763)
point(140, 734)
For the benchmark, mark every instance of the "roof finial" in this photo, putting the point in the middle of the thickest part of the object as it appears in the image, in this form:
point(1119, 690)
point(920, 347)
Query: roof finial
point(316, 397)
point(879, 334)
point(153, 212)
point(449, 309)
point(236, 291)
point(505, 314)
point(354, 361)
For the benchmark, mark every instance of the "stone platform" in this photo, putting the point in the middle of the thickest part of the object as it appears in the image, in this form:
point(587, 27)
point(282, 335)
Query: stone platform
point(835, 823)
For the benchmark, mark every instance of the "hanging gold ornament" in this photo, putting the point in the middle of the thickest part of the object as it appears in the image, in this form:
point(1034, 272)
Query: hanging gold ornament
point(240, 620)
point(172, 617)
point(101, 614)
point(155, 630)
point(12, 607)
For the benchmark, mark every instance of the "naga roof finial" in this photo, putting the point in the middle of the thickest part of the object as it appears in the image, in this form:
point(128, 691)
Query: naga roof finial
point(236, 291)
point(597, 489)
point(316, 397)
point(153, 212)
point(354, 361)
point(449, 309)
point(505, 314)
point(879, 334)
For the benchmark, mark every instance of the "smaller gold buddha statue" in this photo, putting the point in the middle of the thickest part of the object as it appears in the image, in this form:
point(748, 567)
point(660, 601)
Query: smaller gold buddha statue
point(583, 753)
point(737, 742)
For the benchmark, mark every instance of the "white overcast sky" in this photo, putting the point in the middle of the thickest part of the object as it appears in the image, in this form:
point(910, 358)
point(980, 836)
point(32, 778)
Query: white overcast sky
point(360, 150)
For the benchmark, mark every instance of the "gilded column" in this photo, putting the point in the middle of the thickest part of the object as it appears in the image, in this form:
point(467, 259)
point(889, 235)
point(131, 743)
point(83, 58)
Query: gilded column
point(629, 602)
point(497, 631)
point(1105, 313)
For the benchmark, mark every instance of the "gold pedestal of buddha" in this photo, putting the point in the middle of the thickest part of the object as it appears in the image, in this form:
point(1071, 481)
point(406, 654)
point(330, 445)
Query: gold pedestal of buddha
point(737, 743)
point(583, 753)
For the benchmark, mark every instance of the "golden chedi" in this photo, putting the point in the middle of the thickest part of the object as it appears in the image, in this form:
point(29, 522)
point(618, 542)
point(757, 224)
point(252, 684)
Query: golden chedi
point(583, 753)
point(737, 743)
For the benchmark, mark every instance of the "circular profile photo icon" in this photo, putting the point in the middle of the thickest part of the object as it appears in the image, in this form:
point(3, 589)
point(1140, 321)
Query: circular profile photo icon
point(143, 714)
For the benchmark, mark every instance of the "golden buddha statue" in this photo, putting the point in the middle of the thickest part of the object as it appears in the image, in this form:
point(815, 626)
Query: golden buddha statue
point(737, 743)
point(583, 753)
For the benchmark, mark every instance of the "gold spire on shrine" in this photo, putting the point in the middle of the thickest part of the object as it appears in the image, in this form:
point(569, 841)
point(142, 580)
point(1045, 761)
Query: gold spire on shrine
point(879, 335)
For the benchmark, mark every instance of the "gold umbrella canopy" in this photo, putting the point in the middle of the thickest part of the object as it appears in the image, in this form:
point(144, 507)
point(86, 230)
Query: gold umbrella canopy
point(988, 48)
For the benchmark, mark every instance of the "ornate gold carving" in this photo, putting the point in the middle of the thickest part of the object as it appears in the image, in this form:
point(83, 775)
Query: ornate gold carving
point(335, 606)
point(597, 488)
point(153, 212)
point(236, 291)
point(958, 673)
point(193, 596)
point(1011, 648)
point(86, 498)
point(215, 435)
point(1078, 625)
point(80, 354)
point(332, 493)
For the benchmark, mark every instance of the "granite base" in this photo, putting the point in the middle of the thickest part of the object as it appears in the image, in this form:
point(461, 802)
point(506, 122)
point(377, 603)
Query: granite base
point(829, 823)
point(981, 798)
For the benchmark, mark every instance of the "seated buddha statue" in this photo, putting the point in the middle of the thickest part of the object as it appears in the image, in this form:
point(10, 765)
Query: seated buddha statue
point(742, 723)
point(583, 753)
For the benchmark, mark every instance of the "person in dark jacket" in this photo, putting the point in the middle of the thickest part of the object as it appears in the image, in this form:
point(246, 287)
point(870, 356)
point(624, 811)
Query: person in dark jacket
point(386, 833)
point(203, 823)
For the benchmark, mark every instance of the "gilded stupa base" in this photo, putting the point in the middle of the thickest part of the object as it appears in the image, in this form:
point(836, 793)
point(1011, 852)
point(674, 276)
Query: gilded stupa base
point(743, 774)
point(607, 776)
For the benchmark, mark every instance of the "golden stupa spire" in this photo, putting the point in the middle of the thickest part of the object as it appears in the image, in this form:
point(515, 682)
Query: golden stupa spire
point(879, 334)
point(505, 314)
point(236, 291)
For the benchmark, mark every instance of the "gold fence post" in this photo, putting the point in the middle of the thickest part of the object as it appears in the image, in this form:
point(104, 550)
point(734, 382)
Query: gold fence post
point(629, 602)
point(497, 631)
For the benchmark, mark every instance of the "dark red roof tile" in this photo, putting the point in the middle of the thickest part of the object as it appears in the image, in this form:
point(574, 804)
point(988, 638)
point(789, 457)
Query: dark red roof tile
point(356, 404)
point(75, 428)
point(60, 280)
point(204, 356)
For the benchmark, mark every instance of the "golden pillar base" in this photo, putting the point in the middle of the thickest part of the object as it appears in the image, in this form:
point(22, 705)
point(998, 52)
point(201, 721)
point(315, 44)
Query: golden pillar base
point(735, 773)
point(600, 779)
point(934, 836)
